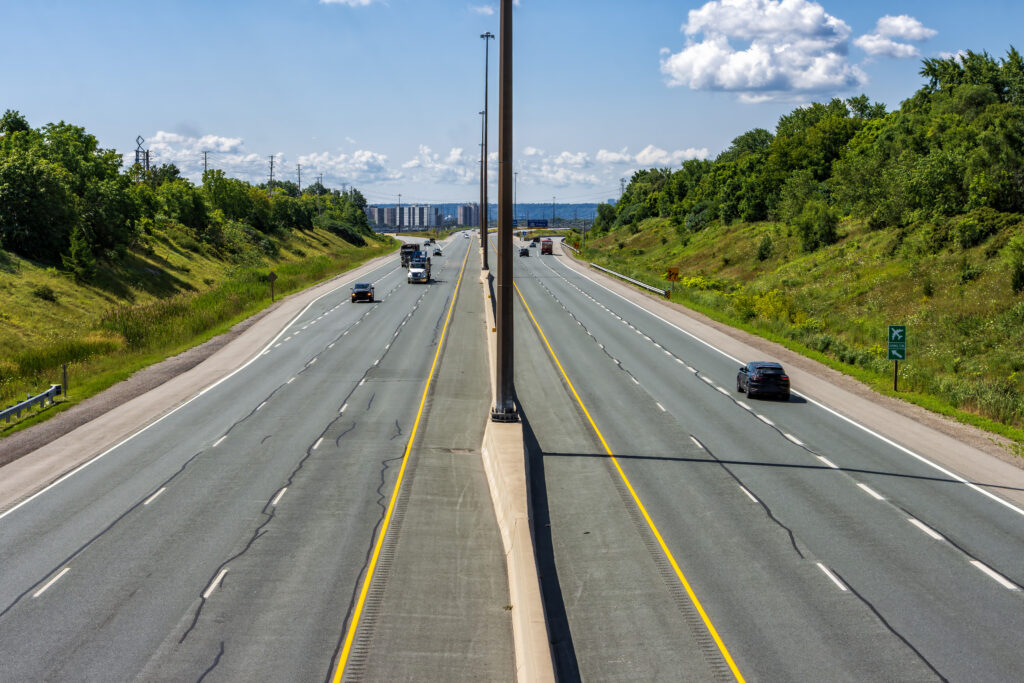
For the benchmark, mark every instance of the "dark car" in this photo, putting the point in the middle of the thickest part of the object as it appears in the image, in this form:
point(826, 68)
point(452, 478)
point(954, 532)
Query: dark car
point(362, 291)
point(437, 252)
point(761, 377)
point(533, 244)
point(524, 251)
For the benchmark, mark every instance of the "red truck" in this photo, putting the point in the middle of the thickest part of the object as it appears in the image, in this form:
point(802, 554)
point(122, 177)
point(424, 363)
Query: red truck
point(545, 246)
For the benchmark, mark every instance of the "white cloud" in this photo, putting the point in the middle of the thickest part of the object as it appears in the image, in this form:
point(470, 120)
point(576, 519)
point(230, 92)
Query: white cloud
point(486, 10)
point(606, 157)
point(576, 160)
point(350, 3)
point(453, 168)
point(792, 47)
point(532, 152)
point(651, 156)
point(881, 43)
point(905, 27)
point(880, 46)
point(362, 166)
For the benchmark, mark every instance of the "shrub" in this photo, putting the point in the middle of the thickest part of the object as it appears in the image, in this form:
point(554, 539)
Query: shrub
point(44, 292)
point(700, 216)
point(764, 250)
point(817, 225)
point(1013, 254)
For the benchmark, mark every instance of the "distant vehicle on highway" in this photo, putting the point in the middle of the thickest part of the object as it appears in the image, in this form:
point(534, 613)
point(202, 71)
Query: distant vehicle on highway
point(437, 251)
point(545, 246)
point(362, 291)
point(763, 377)
point(418, 274)
point(524, 251)
point(534, 240)
point(406, 252)
point(533, 244)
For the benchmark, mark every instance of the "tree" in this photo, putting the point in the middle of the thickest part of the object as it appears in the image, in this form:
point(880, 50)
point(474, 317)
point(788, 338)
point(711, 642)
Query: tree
point(13, 122)
point(37, 208)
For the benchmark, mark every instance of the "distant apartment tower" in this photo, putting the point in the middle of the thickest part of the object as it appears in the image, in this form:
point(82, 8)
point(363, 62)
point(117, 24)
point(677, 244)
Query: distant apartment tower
point(408, 216)
point(468, 214)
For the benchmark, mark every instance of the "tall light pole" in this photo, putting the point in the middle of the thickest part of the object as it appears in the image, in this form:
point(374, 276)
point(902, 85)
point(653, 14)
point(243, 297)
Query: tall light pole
point(487, 37)
point(504, 407)
point(483, 191)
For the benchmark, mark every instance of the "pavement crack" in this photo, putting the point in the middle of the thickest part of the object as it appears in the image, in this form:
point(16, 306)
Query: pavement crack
point(216, 661)
point(398, 431)
point(369, 404)
point(889, 626)
point(764, 506)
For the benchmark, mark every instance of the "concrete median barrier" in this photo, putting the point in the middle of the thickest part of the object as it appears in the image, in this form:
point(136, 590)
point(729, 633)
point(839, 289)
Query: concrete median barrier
point(505, 465)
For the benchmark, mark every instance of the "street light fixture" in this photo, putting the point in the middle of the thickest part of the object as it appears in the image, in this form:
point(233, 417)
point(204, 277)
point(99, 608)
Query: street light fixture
point(487, 38)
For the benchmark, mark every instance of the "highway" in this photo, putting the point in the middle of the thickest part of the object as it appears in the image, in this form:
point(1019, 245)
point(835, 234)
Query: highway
point(686, 532)
point(231, 540)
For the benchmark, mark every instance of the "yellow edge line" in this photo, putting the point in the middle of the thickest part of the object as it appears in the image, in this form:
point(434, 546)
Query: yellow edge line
point(358, 610)
point(650, 522)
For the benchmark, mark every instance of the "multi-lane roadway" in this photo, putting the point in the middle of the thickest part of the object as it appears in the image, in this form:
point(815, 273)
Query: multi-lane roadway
point(691, 533)
point(683, 530)
point(232, 539)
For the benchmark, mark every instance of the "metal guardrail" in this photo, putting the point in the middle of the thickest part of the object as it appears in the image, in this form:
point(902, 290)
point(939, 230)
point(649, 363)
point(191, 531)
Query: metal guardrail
point(663, 292)
point(50, 394)
point(572, 249)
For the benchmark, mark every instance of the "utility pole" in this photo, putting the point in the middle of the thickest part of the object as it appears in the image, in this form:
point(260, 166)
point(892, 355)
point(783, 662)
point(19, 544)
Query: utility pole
point(483, 176)
point(504, 408)
point(270, 185)
point(484, 213)
point(319, 189)
point(298, 169)
point(205, 163)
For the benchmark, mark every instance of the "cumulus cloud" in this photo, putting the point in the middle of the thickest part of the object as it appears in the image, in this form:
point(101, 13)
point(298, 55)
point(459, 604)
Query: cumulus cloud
point(455, 167)
point(881, 43)
point(791, 47)
point(350, 3)
point(362, 166)
point(532, 152)
point(486, 10)
point(651, 156)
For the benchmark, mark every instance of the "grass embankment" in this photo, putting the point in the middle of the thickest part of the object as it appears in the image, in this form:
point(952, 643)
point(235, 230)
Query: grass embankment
point(171, 293)
point(965, 324)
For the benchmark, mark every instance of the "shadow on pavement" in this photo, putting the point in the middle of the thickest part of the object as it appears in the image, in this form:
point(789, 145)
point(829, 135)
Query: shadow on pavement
point(562, 650)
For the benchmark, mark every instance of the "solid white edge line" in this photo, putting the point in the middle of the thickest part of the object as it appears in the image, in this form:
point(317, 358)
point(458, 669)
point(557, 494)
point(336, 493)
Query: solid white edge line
point(51, 582)
point(213, 584)
point(152, 424)
point(219, 441)
point(996, 576)
point(828, 462)
point(925, 528)
point(835, 579)
point(1005, 503)
point(153, 497)
point(277, 498)
point(749, 494)
point(870, 491)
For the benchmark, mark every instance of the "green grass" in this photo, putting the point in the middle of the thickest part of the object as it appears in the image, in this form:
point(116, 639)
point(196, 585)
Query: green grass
point(965, 324)
point(157, 301)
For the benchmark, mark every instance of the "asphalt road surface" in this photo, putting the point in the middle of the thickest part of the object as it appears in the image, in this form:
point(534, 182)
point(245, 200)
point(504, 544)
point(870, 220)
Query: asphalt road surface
point(230, 541)
point(805, 548)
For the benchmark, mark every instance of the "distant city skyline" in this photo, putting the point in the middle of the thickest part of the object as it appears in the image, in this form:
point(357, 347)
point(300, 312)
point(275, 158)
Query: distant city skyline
point(602, 89)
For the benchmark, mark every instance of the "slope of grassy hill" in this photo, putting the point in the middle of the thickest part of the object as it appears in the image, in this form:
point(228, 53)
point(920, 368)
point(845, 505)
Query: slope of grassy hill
point(168, 293)
point(965, 323)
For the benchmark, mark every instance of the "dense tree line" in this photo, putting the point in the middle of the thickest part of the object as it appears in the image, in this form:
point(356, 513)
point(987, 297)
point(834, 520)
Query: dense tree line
point(955, 147)
point(66, 201)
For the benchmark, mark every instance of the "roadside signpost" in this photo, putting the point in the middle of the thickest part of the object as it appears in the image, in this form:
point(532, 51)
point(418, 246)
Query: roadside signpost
point(271, 278)
point(673, 277)
point(897, 350)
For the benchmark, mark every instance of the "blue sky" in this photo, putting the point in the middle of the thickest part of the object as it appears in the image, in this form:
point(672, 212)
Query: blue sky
point(385, 94)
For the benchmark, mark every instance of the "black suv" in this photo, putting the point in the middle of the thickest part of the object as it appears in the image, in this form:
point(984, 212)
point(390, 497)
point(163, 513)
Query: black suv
point(362, 291)
point(761, 377)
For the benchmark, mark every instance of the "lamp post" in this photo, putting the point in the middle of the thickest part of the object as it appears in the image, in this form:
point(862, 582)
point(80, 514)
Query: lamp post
point(504, 406)
point(487, 38)
point(483, 195)
point(515, 193)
